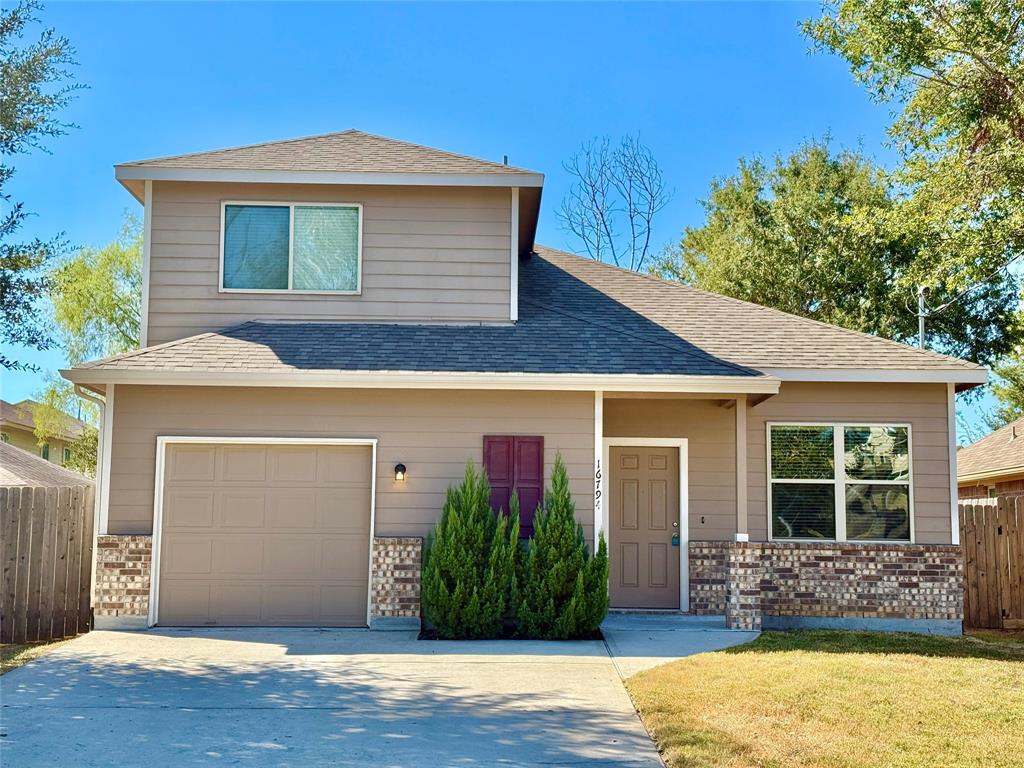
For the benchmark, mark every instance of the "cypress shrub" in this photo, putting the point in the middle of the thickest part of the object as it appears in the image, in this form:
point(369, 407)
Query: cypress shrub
point(561, 589)
point(469, 563)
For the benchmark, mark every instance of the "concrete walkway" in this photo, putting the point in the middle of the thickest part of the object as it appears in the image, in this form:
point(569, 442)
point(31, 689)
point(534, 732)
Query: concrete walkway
point(640, 641)
point(294, 697)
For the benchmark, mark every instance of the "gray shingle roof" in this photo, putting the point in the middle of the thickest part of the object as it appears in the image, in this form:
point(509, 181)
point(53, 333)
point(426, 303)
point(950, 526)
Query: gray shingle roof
point(575, 316)
point(19, 467)
point(1002, 450)
point(348, 151)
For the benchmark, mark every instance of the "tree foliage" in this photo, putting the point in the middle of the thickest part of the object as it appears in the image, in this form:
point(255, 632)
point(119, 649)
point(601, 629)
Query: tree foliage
point(616, 193)
point(469, 563)
point(955, 73)
point(96, 296)
point(1008, 387)
point(562, 590)
point(818, 234)
point(35, 85)
point(52, 420)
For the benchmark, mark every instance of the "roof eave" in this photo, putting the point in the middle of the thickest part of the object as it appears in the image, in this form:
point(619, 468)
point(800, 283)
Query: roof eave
point(140, 173)
point(432, 380)
point(990, 474)
point(964, 378)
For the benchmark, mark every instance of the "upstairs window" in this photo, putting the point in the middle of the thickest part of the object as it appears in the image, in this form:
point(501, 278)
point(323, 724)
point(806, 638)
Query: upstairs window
point(291, 247)
point(839, 481)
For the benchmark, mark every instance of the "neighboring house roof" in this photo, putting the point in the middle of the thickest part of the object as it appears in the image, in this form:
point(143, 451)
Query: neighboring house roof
point(19, 467)
point(1001, 453)
point(348, 151)
point(20, 415)
point(576, 316)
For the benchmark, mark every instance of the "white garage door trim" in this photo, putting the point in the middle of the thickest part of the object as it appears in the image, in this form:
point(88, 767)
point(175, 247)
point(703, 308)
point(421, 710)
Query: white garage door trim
point(162, 441)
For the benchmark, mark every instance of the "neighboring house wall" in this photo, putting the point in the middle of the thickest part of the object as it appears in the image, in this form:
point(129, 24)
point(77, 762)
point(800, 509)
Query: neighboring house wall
point(710, 429)
point(434, 254)
point(26, 440)
point(433, 432)
point(1011, 485)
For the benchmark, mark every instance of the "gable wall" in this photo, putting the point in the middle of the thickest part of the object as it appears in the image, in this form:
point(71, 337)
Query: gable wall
point(437, 254)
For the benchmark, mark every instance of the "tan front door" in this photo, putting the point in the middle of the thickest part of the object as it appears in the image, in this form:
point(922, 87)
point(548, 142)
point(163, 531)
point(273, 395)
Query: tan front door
point(644, 518)
point(265, 535)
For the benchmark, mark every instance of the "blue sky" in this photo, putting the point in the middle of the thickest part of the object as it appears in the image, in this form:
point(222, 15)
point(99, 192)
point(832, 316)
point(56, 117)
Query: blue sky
point(702, 83)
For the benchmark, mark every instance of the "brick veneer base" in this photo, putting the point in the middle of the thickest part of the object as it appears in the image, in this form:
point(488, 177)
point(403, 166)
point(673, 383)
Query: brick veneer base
point(123, 566)
point(396, 580)
point(748, 581)
point(122, 580)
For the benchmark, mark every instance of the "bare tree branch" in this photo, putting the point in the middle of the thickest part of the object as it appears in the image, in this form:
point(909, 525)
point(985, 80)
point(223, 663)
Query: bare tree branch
point(616, 190)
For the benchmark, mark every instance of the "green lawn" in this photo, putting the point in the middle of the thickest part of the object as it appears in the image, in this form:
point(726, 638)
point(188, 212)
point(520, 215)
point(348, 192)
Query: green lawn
point(840, 699)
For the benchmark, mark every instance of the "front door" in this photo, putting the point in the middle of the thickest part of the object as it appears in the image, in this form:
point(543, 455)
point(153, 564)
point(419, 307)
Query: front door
point(643, 539)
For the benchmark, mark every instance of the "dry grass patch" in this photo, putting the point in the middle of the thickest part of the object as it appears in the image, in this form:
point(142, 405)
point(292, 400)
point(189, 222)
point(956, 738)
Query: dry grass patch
point(14, 655)
point(839, 700)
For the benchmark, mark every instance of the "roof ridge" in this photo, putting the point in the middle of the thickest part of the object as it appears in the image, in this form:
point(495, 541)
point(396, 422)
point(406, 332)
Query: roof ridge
point(646, 339)
point(347, 131)
point(773, 310)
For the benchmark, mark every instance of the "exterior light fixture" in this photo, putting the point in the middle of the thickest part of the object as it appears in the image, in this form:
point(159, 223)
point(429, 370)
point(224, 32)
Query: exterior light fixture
point(400, 473)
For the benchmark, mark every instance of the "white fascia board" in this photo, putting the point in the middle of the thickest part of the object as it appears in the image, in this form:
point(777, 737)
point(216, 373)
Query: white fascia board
point(990, 474)
point(125, 173)
point(718, 385)
point(887, 375)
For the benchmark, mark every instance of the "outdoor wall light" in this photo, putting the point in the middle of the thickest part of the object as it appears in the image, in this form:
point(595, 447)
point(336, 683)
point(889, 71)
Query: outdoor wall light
point(400, 473)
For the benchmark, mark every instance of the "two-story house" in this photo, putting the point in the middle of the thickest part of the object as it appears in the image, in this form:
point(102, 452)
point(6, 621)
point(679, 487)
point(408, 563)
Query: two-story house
point(334, 325)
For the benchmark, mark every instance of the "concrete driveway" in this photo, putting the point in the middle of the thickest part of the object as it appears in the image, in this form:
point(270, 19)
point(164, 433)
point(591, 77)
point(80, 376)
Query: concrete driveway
point(318, 697)
point(294, 697)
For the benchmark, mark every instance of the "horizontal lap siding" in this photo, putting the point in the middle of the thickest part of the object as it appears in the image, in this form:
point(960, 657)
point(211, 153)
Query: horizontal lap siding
point(711, 449)
point(429, 254)
point(923, 406)
point(710, 430)
point(433, 433)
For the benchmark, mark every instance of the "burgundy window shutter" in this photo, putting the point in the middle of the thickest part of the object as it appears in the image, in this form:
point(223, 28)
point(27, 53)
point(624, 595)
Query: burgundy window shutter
point(529, 478)
point(516, 463)
point(498, 463)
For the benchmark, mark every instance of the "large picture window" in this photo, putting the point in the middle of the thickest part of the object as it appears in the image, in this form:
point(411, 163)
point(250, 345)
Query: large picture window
point(847, 482)
point(314, 247)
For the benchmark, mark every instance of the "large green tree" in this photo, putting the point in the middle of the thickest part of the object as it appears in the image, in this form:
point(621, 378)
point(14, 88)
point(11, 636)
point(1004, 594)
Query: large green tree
point(95, 296)
point(35, 85)
point(954, 71)
point(815, 233)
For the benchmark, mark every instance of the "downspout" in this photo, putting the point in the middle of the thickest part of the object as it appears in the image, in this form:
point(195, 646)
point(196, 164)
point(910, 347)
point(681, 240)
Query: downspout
point(96, 495)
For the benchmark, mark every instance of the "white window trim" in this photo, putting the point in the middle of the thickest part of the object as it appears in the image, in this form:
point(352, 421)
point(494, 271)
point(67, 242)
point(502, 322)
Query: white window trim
point(840, 481)
point(162, 441)
point(290, 204)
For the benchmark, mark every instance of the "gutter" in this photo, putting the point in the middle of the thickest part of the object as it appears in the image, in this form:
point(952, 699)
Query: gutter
point(432, 380)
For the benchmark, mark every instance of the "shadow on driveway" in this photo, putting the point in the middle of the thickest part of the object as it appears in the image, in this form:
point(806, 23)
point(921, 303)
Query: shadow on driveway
point(313, 698)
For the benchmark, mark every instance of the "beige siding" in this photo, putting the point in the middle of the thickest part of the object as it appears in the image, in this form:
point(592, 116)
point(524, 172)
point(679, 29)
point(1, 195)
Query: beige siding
point(711, 447)
point(433, 433)
point(711, 433)
point(429, 254)
point(923, 406)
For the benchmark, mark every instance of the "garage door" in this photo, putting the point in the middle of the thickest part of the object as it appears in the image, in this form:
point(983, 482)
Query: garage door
point(265, 535)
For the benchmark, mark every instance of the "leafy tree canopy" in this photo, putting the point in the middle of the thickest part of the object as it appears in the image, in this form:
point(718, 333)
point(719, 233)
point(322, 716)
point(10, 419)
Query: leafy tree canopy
point(97, 297)
point(34, 87)
point(955, 71)
point(818, 234)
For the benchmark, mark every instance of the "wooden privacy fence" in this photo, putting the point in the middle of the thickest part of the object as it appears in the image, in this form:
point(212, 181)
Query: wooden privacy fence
point(992, 538)
point(46, 540)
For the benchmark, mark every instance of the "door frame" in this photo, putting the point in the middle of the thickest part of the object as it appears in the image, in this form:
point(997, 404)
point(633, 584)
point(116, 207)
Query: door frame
point(684, 517)
point(162, 441)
